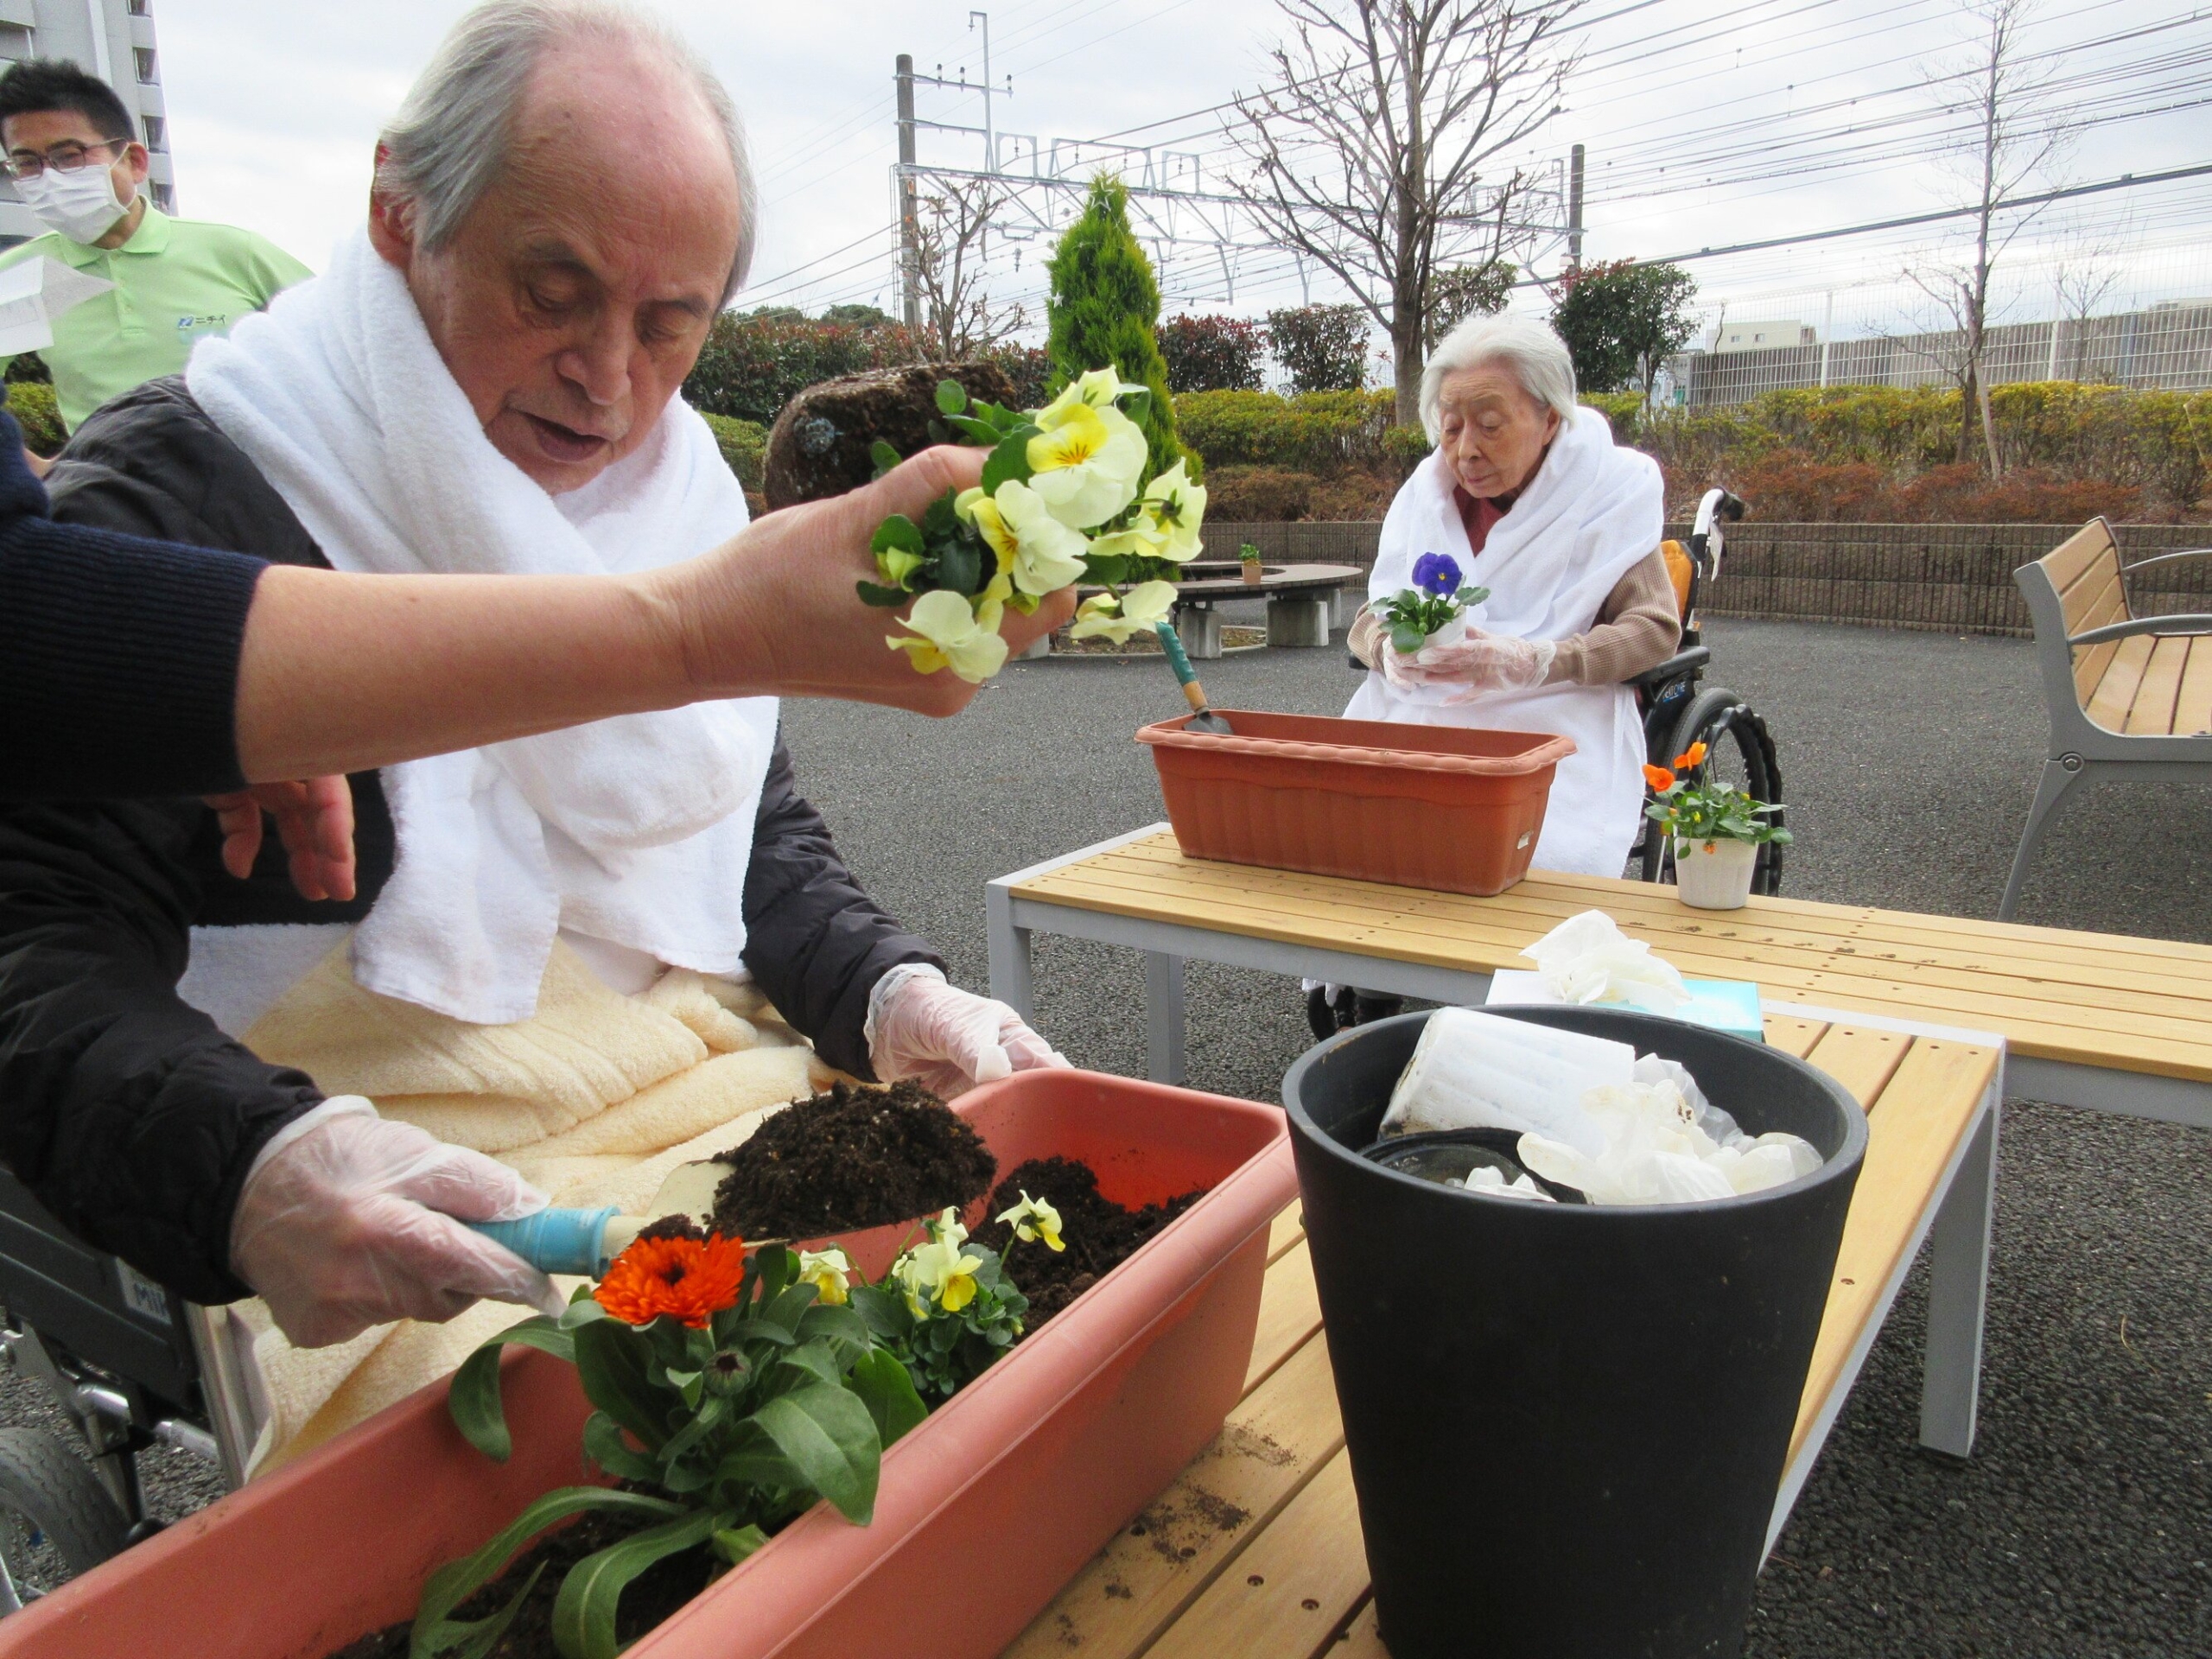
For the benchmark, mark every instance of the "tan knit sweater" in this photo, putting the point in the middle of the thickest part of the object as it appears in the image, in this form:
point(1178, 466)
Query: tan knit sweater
point(1638, 628)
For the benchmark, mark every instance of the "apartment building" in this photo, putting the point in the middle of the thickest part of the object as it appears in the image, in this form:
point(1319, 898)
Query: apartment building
point(114, 39)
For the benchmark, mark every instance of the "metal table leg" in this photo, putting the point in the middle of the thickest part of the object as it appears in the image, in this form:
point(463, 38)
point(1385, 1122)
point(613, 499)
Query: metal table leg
point(1958, 1284)
point(1163, 1017)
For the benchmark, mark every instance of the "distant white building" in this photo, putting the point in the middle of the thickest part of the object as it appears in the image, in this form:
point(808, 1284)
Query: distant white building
point(114, 40)
point(1761, 336)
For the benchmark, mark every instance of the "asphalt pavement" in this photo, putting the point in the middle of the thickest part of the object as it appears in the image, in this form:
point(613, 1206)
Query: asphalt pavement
point(2082, 1525)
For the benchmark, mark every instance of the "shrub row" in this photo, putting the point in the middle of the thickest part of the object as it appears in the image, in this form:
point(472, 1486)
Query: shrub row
point(751, 367)
point(1844, 454)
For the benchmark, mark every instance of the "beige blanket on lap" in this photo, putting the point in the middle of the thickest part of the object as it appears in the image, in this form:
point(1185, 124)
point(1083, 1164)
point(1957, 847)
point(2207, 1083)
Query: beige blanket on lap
point(594, 1099)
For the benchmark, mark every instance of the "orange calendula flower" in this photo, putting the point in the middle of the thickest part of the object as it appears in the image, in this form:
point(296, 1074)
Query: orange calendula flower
point(1693, 756)
point(687, 1278)
point(1659, 778)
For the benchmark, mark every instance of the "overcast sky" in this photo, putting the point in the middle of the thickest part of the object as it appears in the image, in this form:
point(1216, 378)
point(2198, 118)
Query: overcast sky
point(1708, 122)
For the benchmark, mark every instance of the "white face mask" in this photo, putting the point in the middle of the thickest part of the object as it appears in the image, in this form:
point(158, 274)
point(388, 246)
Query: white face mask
point(82, 205)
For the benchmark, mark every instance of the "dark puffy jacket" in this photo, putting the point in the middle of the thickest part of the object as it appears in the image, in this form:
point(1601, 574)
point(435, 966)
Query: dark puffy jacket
point(128, 1114)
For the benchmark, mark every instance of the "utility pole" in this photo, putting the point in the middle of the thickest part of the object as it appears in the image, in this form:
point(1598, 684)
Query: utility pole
point(1574, 210)
point(909, 227)
point(990, 138)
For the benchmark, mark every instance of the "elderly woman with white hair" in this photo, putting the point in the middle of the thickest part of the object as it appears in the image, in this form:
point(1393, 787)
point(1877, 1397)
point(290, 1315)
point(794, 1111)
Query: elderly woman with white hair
point(1527, 493)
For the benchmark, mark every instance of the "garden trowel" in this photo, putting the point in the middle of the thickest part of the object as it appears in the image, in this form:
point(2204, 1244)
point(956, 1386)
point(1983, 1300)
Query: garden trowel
point(1203, 719)
point(585, 1240)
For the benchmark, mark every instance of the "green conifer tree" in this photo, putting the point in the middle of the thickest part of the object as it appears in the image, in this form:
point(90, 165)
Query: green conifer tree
point(1104, 306)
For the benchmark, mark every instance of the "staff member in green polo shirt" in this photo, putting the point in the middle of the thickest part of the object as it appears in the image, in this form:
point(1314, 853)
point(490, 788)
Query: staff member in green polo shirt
point(77, 166)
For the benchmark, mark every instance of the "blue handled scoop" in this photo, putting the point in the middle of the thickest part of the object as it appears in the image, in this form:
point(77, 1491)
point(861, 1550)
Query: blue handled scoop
point(583, 1242)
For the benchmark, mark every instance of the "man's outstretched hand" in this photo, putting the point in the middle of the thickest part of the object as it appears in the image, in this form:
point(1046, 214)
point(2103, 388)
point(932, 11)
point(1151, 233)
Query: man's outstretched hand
point(777, 604)
point(315, 822)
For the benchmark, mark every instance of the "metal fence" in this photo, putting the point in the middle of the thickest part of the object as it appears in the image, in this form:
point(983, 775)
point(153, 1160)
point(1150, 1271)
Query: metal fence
point(1945, 578)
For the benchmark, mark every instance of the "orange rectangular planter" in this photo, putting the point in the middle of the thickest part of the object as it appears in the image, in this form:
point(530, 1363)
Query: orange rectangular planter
point(984, 1510)
point(1445, 807)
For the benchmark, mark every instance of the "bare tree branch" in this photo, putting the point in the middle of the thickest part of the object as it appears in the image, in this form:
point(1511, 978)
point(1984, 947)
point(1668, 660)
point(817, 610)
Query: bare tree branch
point(1375, 149)
point(2014, 141)
point(958, 319)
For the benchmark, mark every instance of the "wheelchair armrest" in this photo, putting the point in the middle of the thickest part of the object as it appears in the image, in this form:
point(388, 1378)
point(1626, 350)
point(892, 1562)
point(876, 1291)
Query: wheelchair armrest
point(1674, 668)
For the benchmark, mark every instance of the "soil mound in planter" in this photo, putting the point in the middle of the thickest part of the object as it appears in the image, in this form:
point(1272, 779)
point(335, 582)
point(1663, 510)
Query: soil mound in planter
point(651, 1596)
point(1100, 1234)
point(853, 1158)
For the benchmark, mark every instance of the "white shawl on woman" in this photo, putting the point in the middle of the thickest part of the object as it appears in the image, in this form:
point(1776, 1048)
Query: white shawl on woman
point(1592, 512)
point(636, 830)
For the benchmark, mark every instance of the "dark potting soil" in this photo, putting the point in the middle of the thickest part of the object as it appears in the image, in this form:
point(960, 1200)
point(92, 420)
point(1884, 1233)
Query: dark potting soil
point(850, 1159)
point(651, 1596)
point(1100, 1234)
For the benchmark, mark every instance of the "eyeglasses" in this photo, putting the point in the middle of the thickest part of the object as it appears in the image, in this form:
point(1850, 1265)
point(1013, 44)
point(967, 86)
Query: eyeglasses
point(66, 156)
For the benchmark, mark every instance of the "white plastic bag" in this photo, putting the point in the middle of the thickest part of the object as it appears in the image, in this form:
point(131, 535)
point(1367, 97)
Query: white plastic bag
point(1473, 1070)
point(1587, 958)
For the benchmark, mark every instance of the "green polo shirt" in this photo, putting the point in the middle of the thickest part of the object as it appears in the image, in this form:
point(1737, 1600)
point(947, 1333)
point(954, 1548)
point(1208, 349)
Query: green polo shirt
point(176, 282)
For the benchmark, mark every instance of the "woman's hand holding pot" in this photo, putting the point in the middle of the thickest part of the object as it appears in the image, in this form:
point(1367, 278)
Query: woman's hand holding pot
point(1474, 666)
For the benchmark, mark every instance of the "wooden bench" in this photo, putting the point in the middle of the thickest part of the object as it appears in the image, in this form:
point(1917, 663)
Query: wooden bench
point(1256, 1548)
point(2127, 695)
point(2090, 1020)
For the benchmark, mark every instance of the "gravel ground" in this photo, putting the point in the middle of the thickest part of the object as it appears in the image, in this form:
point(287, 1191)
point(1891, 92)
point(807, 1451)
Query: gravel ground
point(2082, 1524)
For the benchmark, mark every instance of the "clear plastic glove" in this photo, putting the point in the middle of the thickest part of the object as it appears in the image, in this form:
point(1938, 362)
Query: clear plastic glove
point(945, 1038)
point(314, 820)
point(1469, 668)
point(352, 1224)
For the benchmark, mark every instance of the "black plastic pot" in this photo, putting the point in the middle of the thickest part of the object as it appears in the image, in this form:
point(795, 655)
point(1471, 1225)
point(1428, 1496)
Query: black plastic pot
point(1568, 1423)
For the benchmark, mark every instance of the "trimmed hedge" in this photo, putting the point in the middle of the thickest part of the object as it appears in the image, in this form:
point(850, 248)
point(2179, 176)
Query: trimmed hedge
point(31, 402)
point(1864, 452)
point(1318, 432)
point(744, 445)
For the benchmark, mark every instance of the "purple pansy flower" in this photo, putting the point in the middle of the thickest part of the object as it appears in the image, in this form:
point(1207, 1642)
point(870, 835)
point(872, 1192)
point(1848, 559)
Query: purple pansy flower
point(1438, 574)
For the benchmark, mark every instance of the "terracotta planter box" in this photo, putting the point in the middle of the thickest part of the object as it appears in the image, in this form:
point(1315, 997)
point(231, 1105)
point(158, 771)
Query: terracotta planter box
point(984, 1511)
point(1444, 807)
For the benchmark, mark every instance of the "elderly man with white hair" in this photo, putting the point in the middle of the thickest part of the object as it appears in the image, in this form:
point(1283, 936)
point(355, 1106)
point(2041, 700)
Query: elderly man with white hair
point(1527, 493)
point(573, 955)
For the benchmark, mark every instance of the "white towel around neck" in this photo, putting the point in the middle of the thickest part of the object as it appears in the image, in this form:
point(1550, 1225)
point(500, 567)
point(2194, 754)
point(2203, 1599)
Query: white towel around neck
point(1591, 514)
point(636, 830)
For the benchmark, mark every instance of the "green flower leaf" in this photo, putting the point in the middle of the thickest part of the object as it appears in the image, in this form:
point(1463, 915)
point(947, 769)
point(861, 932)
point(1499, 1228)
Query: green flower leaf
point(605, 1446)
point(899, 532)
point(883, 455)
point(473, 1398)
point(884, 598)
point(434, 1633)
point(583, 1613)
point(734, 1545)
point(1009, 461)
point(977, 432)
point(611, 1363)
point(960, 566)
point(817, 1438)
point(887, 1391)
point(951, 397)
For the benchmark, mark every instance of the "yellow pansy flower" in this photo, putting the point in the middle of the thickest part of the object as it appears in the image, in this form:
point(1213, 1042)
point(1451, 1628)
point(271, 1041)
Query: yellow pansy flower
point(1033, 1219)
point(946, 632)
point(1174, 508)
point(939, 1268)
point(830, 1274)
point(1041, 554)
point(1086, 463)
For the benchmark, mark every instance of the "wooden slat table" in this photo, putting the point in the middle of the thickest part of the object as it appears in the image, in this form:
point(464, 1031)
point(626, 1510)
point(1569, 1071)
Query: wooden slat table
point(2090, 1020)
point(1256, 1548)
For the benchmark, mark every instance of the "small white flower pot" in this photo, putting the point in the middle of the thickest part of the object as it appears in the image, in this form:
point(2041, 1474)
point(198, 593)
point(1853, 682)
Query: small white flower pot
point(1450, 634)
point(1715, 874)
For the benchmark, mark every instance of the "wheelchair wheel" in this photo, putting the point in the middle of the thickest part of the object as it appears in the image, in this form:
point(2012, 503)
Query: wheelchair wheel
point(56, 1520)
point(1740, 754)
